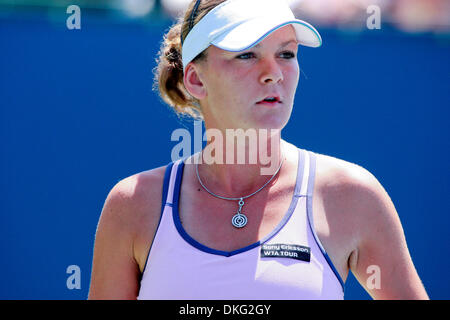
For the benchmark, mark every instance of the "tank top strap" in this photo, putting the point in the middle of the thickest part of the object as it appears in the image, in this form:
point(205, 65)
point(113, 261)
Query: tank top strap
point(166, 200)
point(312, 173)
point(171, 182)
point(301, 186)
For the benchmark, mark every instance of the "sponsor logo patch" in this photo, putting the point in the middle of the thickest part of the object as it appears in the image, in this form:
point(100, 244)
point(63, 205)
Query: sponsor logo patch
point(280, 250)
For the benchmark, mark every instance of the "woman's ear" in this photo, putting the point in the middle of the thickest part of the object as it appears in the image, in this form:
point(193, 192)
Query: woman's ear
point(193, 82)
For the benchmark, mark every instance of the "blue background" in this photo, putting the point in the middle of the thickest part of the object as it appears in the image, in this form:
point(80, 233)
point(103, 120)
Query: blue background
point(78, 114)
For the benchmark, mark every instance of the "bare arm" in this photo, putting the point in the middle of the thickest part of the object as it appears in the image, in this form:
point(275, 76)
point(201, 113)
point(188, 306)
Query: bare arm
point(382, 262)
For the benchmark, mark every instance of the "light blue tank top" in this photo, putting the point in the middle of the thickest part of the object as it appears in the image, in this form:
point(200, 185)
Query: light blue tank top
point(288, 264)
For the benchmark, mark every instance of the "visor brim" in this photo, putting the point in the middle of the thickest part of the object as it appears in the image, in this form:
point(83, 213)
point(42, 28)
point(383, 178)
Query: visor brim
point(250, 33)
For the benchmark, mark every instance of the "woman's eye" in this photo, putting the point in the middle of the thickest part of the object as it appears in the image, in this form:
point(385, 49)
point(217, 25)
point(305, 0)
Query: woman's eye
point(246, 56)
point(288, 54)
point(249, 55)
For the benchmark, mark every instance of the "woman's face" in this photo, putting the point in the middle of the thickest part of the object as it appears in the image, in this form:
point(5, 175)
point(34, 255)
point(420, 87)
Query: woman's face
point(236, 83)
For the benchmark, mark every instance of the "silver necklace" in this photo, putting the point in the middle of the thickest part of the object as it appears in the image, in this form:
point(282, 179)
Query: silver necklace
point(239, 220)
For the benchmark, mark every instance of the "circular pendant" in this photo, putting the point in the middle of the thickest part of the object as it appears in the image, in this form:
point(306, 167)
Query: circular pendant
point(239, 220)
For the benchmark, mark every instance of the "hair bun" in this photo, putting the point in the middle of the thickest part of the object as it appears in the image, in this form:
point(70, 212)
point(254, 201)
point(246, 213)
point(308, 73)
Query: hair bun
point(173, 56)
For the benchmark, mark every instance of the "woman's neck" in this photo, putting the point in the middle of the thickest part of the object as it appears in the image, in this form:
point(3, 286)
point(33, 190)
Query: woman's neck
point(237, 162)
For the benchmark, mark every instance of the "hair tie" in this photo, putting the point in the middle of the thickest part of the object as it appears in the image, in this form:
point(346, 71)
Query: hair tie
point(191, 18)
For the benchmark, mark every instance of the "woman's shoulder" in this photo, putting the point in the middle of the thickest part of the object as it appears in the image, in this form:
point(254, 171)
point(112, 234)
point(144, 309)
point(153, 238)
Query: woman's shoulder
point(333, 172)
point(132, 211)
point(349, 187)
point(352, 191)
point(140, 186)
point(136, 198)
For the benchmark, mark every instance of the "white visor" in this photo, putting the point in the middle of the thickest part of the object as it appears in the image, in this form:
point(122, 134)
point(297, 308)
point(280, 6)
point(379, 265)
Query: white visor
point(237, 25)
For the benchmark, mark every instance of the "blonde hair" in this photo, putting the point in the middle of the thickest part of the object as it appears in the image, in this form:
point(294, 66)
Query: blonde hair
point(169, 70)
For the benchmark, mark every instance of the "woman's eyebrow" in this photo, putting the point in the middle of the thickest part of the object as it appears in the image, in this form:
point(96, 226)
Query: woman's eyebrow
point(284, 44)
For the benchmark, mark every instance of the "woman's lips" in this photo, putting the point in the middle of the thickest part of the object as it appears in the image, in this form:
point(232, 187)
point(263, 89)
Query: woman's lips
point(269, 103)
point(271, 99)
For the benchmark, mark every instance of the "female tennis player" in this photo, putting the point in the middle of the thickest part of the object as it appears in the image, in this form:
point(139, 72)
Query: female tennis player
point(286, 223)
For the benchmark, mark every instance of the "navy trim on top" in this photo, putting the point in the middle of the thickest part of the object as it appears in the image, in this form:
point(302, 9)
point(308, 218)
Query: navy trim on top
point(166, 186)
point(309, 203)
point(198, 245)
point(163, 204)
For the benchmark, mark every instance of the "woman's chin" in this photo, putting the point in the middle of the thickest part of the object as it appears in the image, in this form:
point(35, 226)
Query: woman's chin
point(271, 122)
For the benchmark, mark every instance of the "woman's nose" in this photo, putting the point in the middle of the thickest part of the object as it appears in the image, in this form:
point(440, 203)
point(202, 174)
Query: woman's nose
point(270, 71)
